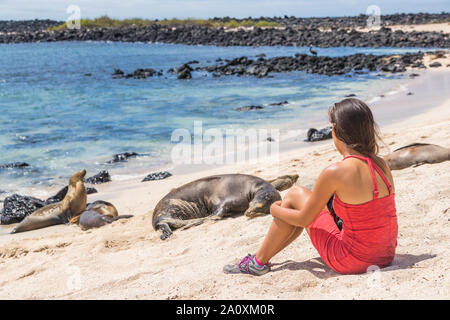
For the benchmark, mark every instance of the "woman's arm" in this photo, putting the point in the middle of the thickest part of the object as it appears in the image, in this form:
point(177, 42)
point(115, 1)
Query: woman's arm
point(323, 189)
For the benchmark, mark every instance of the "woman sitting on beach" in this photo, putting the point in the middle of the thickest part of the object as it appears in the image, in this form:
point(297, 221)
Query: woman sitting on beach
point(363, 191)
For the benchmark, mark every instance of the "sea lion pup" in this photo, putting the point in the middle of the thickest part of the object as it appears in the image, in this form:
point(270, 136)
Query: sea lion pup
point(98, 214)
point(215, 196)
point(416, 154)
point(73, 204)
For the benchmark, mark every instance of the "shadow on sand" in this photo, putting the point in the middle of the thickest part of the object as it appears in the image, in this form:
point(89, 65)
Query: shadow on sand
point(319, 269)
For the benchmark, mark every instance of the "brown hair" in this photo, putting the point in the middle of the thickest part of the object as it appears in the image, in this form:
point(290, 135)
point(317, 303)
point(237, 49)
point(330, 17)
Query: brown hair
point(354, 125)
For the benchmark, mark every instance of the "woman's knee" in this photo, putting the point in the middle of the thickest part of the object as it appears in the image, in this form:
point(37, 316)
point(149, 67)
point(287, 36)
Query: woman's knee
point(297, 191)
point(295, 195)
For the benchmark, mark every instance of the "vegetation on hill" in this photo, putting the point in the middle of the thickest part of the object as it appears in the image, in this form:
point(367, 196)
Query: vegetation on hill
point(107, 22)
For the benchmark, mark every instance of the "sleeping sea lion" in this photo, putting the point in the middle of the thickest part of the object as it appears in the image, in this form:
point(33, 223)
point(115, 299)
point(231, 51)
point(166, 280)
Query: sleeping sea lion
point(73, 204)
point(416, 154)
point(98, 214)
point(216, 196)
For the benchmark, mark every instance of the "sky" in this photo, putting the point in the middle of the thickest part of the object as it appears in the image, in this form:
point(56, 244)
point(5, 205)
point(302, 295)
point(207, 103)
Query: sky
point(159, 9)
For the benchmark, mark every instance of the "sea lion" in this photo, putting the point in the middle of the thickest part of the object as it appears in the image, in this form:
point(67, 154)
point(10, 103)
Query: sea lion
point(416, 154)
point(214, 196)
point(73, 204)
point(92, 219)
point(98, 214)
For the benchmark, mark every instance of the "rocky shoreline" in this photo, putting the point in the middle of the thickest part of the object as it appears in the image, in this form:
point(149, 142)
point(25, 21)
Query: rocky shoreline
point(331, 66)
point(358, 63)
point(350, 22)
point(319, 32)
point(197, 35)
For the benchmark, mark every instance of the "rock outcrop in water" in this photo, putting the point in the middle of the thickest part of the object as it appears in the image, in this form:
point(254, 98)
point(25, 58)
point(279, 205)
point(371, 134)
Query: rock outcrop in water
point(14, 165)
point(358, 63)
point(355, 63)
point(121, 157)
point(249, 108)
point(137, 74)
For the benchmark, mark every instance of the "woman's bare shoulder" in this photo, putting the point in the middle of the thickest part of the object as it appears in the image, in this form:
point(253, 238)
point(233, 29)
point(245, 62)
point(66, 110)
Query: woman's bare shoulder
point(338, 170)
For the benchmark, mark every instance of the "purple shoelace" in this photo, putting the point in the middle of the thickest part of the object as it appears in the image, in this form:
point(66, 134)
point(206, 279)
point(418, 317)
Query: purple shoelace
point(244, 263)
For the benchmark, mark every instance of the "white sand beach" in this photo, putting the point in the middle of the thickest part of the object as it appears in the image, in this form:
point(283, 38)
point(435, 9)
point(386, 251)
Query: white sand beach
point(127, 259)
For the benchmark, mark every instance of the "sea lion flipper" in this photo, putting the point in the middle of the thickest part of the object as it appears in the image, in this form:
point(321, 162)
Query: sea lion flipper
point(284, 182)
point(192, 224)
point(37, 222)
point(124, 216)
point(418, 164)
point(166, 231)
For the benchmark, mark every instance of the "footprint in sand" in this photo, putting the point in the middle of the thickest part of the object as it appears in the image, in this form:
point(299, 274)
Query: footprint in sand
point(29, 273)
point(13, 252)
point(307, 284)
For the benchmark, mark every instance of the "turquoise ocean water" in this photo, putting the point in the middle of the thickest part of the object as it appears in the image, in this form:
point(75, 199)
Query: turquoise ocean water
point(61, 110)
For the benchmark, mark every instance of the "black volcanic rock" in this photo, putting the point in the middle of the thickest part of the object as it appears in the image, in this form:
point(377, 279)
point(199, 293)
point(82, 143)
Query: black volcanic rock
point(184, 72)
point(356, 63)
point(101, 177)
point(248, 108)
point(157, 176)
point(435, 64)
point(279, 103)
point(120, 157)
point(301, 32)
point(14, 165)
point(17, 207)
point(318, 135)
point(118, 73)
point(27, 25)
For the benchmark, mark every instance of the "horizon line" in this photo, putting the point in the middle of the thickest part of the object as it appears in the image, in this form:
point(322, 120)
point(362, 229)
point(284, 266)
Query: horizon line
point(230, 17)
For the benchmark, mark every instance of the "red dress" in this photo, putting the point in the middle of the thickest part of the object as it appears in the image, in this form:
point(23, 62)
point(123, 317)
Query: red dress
point(369, 232)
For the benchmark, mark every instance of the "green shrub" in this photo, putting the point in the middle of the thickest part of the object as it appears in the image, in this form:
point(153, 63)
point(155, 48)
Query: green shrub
point(107, 22)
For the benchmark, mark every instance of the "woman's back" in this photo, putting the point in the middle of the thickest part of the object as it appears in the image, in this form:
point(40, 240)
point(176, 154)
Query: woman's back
point(356, 181)
point(366, 204)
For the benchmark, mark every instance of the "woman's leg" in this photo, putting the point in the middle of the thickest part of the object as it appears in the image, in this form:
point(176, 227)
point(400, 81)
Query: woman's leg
point(280, 233)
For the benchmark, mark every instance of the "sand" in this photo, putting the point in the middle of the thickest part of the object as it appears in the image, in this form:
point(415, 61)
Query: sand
point(127, 260)
point(429, 27)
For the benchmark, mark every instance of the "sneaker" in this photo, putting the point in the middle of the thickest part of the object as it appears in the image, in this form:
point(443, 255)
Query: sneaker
point(248, 266)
